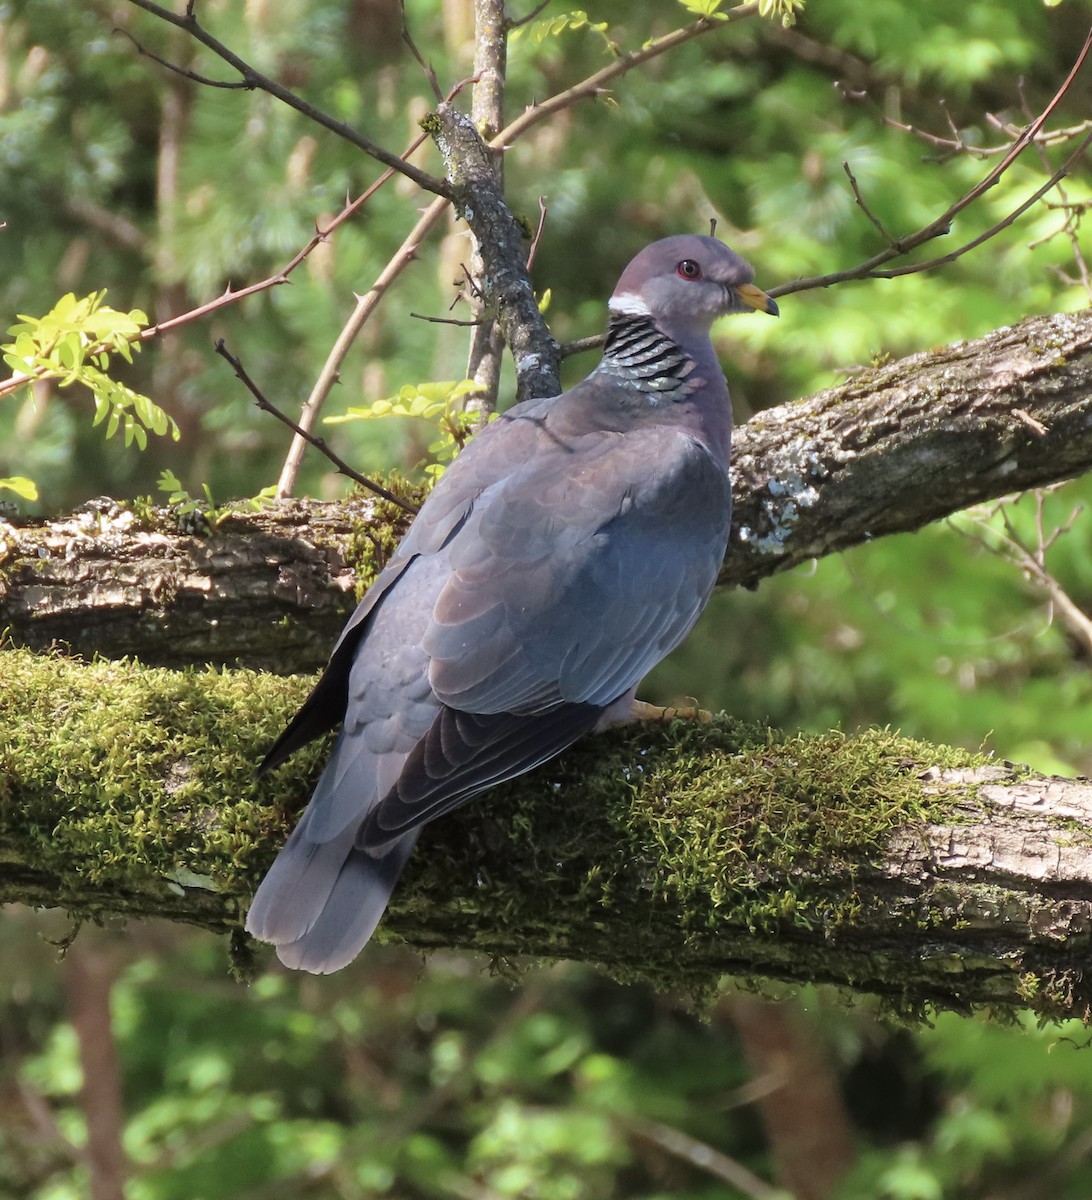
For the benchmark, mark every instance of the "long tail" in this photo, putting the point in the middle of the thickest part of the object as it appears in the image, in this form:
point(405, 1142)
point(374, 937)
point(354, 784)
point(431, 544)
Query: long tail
point(321, 902)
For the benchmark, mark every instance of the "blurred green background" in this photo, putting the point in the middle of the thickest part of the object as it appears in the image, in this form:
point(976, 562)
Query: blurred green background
point(407, 1078)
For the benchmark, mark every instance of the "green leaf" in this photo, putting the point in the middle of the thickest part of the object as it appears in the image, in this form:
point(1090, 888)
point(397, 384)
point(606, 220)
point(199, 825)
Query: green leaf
point(550, 27)
point(21, 486)
point(784, 10)
point(26, 348)
point(704, 8)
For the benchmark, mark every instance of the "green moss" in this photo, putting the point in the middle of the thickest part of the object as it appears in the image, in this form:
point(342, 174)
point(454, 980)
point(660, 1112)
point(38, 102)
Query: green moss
point(118, 778)
point(669, 853)
point(684, 839)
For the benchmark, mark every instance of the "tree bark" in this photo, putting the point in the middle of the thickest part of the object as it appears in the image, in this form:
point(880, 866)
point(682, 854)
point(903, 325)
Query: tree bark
point(896, 447)
point(672, 854)
point(669, 853)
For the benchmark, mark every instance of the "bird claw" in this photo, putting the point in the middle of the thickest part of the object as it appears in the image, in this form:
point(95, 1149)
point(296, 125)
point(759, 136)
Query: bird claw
point(641, 711)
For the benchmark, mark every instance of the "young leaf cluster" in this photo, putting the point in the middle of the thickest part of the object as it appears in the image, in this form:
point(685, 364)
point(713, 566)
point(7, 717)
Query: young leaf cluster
point(538, 31)
point(439, 405)
point(74, 343)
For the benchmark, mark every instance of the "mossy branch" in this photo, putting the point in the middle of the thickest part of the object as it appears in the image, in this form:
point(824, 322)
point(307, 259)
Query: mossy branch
point(669, 853)
point(895, 448)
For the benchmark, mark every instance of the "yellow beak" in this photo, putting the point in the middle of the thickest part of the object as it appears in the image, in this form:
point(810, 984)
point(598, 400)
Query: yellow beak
point(755, 297)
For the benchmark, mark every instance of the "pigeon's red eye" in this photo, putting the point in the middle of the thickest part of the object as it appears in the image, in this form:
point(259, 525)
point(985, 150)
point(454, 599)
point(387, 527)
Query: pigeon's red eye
point(688, 269)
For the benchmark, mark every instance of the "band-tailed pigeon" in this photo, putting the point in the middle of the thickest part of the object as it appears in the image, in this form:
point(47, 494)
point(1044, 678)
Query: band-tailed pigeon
point(567, 550)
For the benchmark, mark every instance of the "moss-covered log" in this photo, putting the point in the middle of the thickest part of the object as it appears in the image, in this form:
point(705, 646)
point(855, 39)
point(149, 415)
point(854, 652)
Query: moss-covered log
point(671, 853)
point(898, 446)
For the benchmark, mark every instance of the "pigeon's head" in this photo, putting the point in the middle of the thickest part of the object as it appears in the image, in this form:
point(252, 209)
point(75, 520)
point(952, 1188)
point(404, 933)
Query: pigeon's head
point(688, 282)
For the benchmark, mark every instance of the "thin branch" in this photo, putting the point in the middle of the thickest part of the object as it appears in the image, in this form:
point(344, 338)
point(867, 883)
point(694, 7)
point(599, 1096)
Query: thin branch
point(232, 296)
point(870, 268)
point(580, 345)
point(863, 206)
point(595, 84)
point(445, 320)
point(1072, 217)
point(518, 21)
point(958, 144)
point(229, 85)
point(253, 79)
point(267, 406)
point(427, 68)
point(365, 306)
point(1004, 223)
point(701, 1155)
point(1033, 565)
point(533, 251)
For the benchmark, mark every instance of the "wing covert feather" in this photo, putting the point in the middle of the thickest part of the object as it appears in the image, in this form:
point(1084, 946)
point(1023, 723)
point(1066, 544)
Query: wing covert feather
point(582, 581)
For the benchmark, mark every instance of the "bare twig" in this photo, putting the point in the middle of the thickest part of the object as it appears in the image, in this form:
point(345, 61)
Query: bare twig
point(1004, 223)
point(233, 295)
point(595, 85)
point(365, 306)
point(267, 406)
point(533, 251)
point(229, 85)
point(429, 73)
point(863, 206)
point(252, 79)
point(517, 22)
point(445, 320)
point(701, 1155)
point(581, 345)
point(872, 268)
point(958, 143)
point(1072, 217)
point(1031, 559)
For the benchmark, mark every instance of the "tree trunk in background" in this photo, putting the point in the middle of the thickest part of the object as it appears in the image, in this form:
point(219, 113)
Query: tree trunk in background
point(89, 977)
point(171, 297)
point(802, 1109)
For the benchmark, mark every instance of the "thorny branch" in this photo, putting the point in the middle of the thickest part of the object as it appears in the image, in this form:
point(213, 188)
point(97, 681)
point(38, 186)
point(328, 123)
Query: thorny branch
point(267, 406)
point(595, 85)
point(365, 306)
